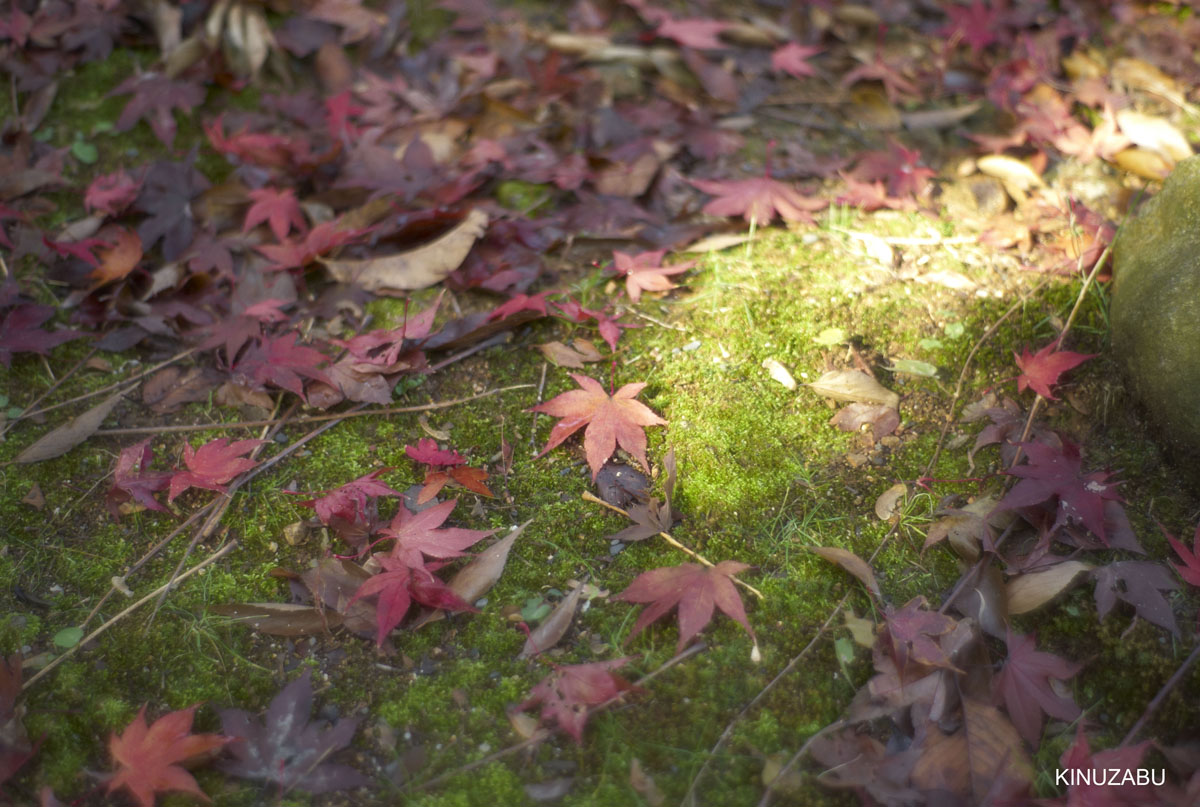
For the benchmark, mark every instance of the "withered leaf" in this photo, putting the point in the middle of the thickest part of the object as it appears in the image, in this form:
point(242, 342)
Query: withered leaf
point(281, 619)
point(553, 627)
point(851, 563)
point(71, 433)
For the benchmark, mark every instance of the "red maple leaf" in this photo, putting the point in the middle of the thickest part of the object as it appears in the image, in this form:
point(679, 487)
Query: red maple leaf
point(154, 98)
point(417, 534)
point(609, 328)
point(695, 589)
point(1190, 570)
point(149, 758)
point(1054, 473)
point(381, 348)
point(296, 254)
point(19, 332)
point(610, 421)
point(900, 167)
point(282, 361)
point(521, 302)
point(913, 633)
point(566, 693)
point(1095, 791)
point(793, 58)
point(895, 84)
point(1041, 370)
point(645, 272)
point(976, 24)
point(427, 452)
point(268, 150)
point(133, 480)
point(212, 465)
point(1023, 684)
point(279, 208)
point(112, 193)
point(348, 503)
point(758, 199)
point(398, 586)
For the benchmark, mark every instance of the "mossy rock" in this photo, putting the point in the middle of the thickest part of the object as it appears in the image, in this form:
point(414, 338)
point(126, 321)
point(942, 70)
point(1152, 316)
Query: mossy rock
point(1156, 307)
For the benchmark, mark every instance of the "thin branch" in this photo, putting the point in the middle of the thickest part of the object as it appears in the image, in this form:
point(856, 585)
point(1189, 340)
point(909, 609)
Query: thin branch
point(254, 424)
point(1166, 690)
point(211, 559)
point(542, 734)
point(58, 383)
point(588, 496)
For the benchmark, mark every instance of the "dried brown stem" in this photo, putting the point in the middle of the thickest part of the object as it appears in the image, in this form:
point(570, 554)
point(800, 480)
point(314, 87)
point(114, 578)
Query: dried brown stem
point(211, 559)
point(588, 496)
point(1158, 699)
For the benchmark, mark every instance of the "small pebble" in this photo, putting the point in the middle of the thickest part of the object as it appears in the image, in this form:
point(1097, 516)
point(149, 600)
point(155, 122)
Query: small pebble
point(692, 345)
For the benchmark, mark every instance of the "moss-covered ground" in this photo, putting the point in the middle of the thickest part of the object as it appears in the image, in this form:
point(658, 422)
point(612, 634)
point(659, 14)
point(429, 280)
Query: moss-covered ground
point(762, 476)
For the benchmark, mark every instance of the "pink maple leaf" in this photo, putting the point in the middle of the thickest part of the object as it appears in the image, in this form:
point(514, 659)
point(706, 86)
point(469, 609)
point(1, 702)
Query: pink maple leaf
point(899, 166)
point(566, 693)
point(112, 193)
point(397, 586)
point(976, 24)
point(418, 534)
point(693, 32)
point(793, 58)
point(1024, 686)
point(426, 451)
point(645, 272)
point(348, 503)
point(1041, 370)
point(212, 465)
point(695, 589)
point(319, 240)
point(279, 208)
point(758, 199)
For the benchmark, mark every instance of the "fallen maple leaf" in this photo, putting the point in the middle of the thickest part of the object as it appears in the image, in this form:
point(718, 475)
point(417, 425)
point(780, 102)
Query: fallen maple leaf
point(279, 208)
point(1093, 788)
point(19, 332)
point(566, 693)
point(286, 749)
point(154, 98)
point(1139, 583)
point(1023, 684)
point(758, 199)
point(403, 580)
point(645, 272)
point(417, 534)
point(610, 421)
point(149, 757)
point(1190, 570)
point(695, 589)
point(1041, 370)
point(913, 633)
point(793, 58)
point(112, 193)
point(1051, 472)
point(212, 465)
point(119, 259)
point(693, 32)
point(133, 480)
point(426, 451)
point(347, 505)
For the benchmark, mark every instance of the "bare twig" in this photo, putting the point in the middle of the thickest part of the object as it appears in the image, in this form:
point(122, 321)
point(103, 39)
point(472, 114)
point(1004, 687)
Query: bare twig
point(211, 559)
point(533, 423)
point(542, 734)
point(1166, 690)
point(588, 496)
point(254, 424)
point(58, 383)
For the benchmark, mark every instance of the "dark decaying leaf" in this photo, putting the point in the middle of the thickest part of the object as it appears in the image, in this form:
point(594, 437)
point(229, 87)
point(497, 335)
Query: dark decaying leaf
point(71, 433)
point(1139, 583)
point(281, 619)
point(287, 750)
point(981, 762)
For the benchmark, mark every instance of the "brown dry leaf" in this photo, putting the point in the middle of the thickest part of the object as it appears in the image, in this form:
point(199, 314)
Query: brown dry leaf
point(1154, 134)
point(70, 434)
point(853, 385)
point(883, 420)
point(1012, 172)
point(976, 760)
point(851, 563)
point(475, 579)
point(964, 529)
point(564, 356)
point(986, 601)
point(333, 583)
point(861, 630)
point(871, 109)
point(889, 501)
point(628, 179)
point(780, 373)
point(34, 498)
point(552, 629)
point(644, 785)
point(1030, 591)
point(523, 723)
point(231, 394)
point(171, 387)
point(1144, 76)
point(118, 260)
point(939, 118)
point(333, 68)
point(416, 268)
point(1143, 163)
point(280, 618)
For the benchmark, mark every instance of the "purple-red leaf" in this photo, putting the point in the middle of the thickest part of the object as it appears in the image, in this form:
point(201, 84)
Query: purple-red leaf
point(695, 589)
point(133, 480)
point(566, 693)
point(1053, 473)
point(758, 199)
point(212, 465)
point(1024, 686)
point(1040, 371)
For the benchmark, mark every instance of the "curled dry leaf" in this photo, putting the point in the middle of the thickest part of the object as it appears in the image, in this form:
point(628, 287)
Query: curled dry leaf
point(889, 501)
point(582, 352)
point(70, 434)
point(780, 373)
point(475, 579)
point(851, 563)
point(1154, 134)
point(1011, 171)
point(882, 419)
point(552, 629)
point(415, 268)
point(1032, 590)
point(853, 385)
